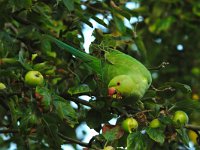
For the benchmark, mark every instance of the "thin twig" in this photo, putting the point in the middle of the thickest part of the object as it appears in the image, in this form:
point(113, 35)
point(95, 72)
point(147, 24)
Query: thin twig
point(7, 94)
point(9, 131)
point(192, 127)
point(94, 8)
point(86, 103)
point(62, 136)
point(144, 111)
point(162, 90)
point(77, 100)
point(74, 141)
point(162, 65)
point(112, 3)
point(91, 140)
point(20, 20)
point(11, 26)
point(4, 104)
point(121, 111)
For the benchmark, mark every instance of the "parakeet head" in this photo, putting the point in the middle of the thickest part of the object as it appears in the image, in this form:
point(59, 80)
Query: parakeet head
point(123, 86)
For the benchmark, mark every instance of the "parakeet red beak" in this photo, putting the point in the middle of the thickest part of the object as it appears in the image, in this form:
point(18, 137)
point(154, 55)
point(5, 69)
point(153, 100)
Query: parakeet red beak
point(112, 92)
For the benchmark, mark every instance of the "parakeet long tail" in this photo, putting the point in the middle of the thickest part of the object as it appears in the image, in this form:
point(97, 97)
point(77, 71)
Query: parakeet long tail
point(92, 61)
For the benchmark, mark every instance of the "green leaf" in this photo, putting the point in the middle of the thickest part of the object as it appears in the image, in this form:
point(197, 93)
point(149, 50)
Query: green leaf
point(153, 106)
point(108, 41)
point(65, 110)
point(122, 11)
point(137, 141)
point(51, 118)
point(52, 132)
point(158, 9)
point(27, 121)
point(9, 62)
point(166, 120)
point(100, 104)
point(162, 24)
point(45, 97)
point(80, 89)
point(21, 4)
point(100, 21)
point(196, 9)
point(113, 133)
point(15, 112)
point(156, 134)
point(94, 119)
point(43, 67)
point(183, 135)
point(7, 44)
point(119, 22)
point(180, 86)
point(187, 105)
point(69, 4)
point(141, 47)
point(23, 61)
point(169, 89)
point(84, 19)
point(125, 14)
point(45, 45)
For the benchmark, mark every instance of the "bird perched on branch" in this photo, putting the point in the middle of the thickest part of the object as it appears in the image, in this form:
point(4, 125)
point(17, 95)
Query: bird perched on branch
point(123, 75)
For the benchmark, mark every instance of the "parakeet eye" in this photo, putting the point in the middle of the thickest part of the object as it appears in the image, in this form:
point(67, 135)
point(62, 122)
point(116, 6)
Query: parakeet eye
point(118, 83)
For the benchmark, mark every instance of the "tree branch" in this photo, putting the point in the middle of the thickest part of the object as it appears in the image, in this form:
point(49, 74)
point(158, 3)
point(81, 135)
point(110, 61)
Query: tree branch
point(121, 111)
point(8, 131)
point(162, 65)
point(94, 8)
point(5, 131)
point(74, 141)
point(163, 90)
point(192, 127)
point(77, 100)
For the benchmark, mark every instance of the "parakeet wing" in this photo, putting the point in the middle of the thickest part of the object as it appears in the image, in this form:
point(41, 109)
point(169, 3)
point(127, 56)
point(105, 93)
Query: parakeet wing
point(120, 63)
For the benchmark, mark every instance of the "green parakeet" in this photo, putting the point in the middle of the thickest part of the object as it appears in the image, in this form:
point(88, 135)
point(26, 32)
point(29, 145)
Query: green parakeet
point(123, 75)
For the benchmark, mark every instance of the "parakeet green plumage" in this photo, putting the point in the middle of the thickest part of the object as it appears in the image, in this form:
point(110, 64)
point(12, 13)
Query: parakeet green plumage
point(124, 75)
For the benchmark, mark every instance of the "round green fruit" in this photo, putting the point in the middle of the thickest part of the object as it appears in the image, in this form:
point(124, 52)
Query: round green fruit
point(155, 123)
point(34, 78)
point(108, 148)
point(129, 124)
point(2, 86)
point(51, 54)
point(195, 71)
point(180, 118)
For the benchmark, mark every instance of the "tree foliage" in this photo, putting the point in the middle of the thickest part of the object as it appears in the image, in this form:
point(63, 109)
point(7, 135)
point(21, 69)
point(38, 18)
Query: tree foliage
point(163, 35)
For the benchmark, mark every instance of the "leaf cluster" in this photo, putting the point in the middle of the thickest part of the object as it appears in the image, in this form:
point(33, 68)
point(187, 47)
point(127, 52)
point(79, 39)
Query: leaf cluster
point(47, 116)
